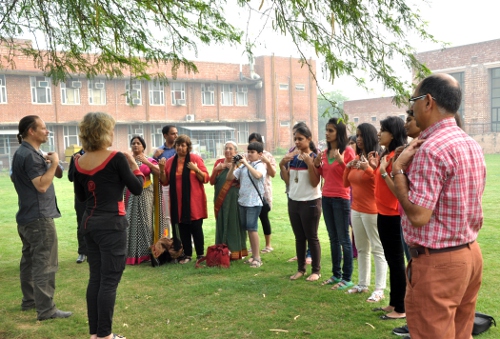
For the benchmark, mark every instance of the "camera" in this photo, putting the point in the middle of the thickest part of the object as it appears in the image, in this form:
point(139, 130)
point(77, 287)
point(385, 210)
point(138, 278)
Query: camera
point(237, 158)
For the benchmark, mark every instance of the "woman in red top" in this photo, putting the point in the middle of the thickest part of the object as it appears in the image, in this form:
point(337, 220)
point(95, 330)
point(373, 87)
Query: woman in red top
point(392, 135)
point(336, 202)
point(186, 173)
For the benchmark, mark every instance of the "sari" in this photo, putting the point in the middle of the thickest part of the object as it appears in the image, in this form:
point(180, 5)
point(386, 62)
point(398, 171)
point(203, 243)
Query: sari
point(227, 226)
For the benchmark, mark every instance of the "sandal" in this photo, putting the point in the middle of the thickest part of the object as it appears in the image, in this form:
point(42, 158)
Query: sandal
point(331, 281)
point(313, 277)
point(297, 275)
point(116, 336)
point(343, 285)
point(376, 296)
point(249, 261)
point(256, 263)
point(267, 250)
point(357, 289)
point(292, 259)
point(185, 260)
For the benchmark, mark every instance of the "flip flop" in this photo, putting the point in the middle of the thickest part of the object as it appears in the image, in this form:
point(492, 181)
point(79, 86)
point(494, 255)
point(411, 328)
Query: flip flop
point(379, 309)
point(331, 281)
point(297, 275)
point(313, 277)
point(292, 259)
point(386, 317)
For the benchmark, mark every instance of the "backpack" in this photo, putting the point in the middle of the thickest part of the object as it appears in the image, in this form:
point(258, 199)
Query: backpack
point(482, 322)
point(217, 256)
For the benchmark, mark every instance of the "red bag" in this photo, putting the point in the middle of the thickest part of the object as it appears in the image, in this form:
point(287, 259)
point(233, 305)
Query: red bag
point(217, 256)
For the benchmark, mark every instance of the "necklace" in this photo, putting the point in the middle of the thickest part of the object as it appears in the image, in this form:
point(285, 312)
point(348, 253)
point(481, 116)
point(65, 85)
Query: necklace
point(297, 172)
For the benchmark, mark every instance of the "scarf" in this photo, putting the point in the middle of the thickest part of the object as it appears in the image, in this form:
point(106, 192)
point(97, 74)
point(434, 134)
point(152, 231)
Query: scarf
point(185, 217)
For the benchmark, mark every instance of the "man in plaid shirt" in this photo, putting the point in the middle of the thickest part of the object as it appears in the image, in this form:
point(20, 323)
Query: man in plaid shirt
point(439, 181)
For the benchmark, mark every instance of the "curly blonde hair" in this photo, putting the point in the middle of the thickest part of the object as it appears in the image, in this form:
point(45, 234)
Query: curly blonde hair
point(96, 131)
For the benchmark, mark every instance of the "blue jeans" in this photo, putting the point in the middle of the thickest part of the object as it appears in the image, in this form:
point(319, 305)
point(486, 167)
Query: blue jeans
point(336, 213)
point(249, 218)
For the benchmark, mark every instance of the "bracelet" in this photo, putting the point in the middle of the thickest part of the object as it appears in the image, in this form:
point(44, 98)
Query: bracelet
point(393, 174)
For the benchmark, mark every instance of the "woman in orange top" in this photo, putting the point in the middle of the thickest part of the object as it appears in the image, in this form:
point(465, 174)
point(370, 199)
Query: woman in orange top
point(392, 135)
point(360, 176)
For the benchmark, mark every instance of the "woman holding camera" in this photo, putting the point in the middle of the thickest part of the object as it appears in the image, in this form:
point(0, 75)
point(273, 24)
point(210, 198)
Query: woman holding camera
point(227, 223)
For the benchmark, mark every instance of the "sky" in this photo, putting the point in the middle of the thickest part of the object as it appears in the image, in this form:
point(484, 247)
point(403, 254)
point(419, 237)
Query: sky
point(454, 22)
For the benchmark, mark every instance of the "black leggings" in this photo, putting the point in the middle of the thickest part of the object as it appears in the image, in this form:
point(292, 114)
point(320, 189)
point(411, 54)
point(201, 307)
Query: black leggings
point(194, 229)
point(389, 230)
point(264, 220)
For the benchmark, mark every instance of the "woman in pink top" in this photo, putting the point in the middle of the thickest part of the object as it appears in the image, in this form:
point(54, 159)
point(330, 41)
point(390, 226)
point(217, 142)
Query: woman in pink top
point(360, 176)
point(336, 202)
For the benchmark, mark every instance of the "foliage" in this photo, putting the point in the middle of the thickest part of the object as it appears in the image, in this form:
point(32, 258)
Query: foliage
point(327, 111)
point(111, 37)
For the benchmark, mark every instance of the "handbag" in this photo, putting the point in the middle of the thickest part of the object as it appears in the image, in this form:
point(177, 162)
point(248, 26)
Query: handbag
point(482, 322)
point(265, 205)
point(217, 256)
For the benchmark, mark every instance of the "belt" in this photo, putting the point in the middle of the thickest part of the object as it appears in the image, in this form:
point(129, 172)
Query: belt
point(416, 251)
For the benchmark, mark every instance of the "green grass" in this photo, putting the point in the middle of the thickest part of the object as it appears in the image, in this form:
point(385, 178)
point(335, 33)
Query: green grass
point(179, 301)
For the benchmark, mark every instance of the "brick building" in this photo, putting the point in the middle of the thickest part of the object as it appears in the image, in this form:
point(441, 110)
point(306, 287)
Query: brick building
point(221, 102)
point(477, 69)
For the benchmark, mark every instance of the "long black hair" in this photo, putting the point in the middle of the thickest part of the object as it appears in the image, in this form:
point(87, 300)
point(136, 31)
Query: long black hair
point(305, 131)
point(396, 127)
point(342, 139)
point(370, 140)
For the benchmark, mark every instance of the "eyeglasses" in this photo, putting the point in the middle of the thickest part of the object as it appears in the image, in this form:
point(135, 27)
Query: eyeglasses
point(412, 101)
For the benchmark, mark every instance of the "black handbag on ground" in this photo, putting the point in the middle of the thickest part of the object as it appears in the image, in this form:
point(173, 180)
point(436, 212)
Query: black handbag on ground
point(482, 322)
point(265, 205)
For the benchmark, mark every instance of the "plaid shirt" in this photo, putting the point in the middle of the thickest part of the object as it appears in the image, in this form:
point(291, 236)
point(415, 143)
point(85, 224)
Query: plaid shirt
point(447, 175)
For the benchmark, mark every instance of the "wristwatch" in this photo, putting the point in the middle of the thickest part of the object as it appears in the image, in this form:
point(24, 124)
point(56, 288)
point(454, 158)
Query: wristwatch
point(384, 175)
point(400, 171)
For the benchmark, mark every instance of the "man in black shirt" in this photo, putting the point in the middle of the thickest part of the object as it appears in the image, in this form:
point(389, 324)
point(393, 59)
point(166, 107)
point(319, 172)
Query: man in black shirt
point(32, 175)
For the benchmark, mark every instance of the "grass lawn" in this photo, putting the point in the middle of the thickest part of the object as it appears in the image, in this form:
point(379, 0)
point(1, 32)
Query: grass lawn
point(179, 301)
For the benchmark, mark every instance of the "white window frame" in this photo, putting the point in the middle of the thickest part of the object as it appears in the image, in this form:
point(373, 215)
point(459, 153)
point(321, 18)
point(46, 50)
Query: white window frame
point(97, 92)
point(355, 119)
point(285, 123)
point(135, 94)
point(156, 93)
point(242, 95)
point(157, 139)
point(208, 94)
point(374, 118)
point(49, 145)
point(300, 87)
point(3, 89)
point(67, 91)
point(177, 92)
point(226, 95)
point(34, 82)
point(71, 134)
point(283, 87)
point(135, 129)
point(243, 132)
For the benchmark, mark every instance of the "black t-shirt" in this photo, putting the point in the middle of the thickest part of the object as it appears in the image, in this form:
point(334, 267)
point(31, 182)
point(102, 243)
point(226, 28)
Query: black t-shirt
point(102, 191)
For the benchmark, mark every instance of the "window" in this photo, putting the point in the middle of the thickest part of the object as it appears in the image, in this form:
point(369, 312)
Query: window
point(226, 95)
point(70, 92)
point(178, 91)
point(49, 145)
point(460, 79)
point(207, 94)
point(97, 92)
point(157, 139)
point(300, 87)
point(3, 90)
point(135, 130)
point(40, 90)
point(495, 100)
point(241, 95)
point(374, 118)
point(71, 136)
point(403, 117)
point(356, 119)
point(243, 132)
point(284, 87)
point(285, 123)
point(156, 93)
point(134, 95)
